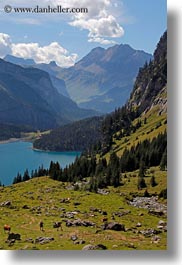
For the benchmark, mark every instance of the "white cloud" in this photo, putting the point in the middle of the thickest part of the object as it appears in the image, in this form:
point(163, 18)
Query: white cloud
point(102, 20)
point(45, 54)
point(5, 44)
point(41, 54)
point(102, 27)
point(99, 21)
point(101, 41)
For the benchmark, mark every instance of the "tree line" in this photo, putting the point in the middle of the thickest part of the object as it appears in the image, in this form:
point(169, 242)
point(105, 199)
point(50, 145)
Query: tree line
point(40, 172)
point(103, 173)
point(77, 136)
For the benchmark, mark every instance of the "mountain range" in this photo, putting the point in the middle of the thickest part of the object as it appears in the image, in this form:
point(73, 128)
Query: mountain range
point(28, 97)
point(102, 80)
point(52, 69)
point(143, 116)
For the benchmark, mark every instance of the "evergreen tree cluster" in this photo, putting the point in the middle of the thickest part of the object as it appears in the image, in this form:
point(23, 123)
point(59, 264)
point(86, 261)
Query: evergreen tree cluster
point(101, 174)
point(8, 131)
point(77, 136)
point(34, 174)
point(151, 153)
point(121, 119)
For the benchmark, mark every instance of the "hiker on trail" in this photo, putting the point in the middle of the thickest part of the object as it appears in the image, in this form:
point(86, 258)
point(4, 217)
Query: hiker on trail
point(41, 224)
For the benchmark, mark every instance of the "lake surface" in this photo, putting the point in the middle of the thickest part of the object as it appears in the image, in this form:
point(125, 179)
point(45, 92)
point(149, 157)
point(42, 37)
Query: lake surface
point(19, 156)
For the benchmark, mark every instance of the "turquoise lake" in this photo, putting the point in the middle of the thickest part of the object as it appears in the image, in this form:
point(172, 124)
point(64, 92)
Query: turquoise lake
point(19, 156)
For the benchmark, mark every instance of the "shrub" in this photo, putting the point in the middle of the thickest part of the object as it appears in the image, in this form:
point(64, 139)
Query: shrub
point(163, 194)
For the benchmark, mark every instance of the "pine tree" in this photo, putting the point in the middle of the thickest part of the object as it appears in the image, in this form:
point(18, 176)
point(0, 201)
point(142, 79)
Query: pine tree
point(114, 165)
point(153, 183)
point(18, 178)
point(146, 193)
point(93, 185)
point(163, 163)
point(141, 181)
point(142, 170)
point(26, 175)
point(15, 180)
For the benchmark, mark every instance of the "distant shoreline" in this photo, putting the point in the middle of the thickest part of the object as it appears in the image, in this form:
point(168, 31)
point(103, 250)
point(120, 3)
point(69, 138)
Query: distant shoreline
point(51, 151)
point(14, 140)
point(11, 140)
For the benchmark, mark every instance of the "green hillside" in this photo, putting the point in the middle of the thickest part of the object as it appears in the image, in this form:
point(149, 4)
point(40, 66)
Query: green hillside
point(151, 126)
point(25, 204)
point(114, 196)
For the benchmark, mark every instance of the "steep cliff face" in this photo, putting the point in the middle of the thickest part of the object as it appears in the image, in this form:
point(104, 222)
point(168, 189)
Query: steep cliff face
point(150, 88)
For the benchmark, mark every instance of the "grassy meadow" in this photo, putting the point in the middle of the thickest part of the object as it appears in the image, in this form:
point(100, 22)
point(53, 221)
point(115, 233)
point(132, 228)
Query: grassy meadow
point(41, 199)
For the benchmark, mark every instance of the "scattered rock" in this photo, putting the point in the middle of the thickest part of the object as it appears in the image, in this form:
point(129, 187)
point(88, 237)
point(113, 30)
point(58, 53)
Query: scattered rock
point(149, 232)
point(6, 203)
point(115, 246)
point(25, 207)
point(120, 214)
point(157, 213)
point(93, 209)
point(29, 240)
point(161, 222)
point(79, 222)
point(71, 214)
point(113, 226)
point(155, 239)
point(74, 237)
point(128, 229)
point(141, 214)
point(89, 247)
point(94, 247)
point(151, 203)
point(11, 242)
point(79, 242)
point(138, 224)
point(102, 191)
point(162, 225)
point(43, 240)
point(65, 200)
point(130, 245)
point(76, 203)
point(101, 247)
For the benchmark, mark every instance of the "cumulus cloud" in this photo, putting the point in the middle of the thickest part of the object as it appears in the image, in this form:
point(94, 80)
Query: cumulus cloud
point(45, 54)
point(101, 21)
point(5, 44)
point(104, 27)
point(101, 41)
point(41, 54)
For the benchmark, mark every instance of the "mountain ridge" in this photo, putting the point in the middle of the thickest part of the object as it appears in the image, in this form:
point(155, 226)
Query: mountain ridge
point(90, 80)
point(100, 78)
point(150, 104)
point(29, 98)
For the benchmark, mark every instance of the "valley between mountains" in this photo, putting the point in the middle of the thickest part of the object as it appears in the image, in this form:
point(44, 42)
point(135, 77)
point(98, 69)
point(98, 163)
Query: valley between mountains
point(114, 196)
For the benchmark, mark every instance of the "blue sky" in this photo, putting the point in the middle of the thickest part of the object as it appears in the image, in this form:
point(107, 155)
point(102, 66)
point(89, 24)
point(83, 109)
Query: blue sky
point(67, 38)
